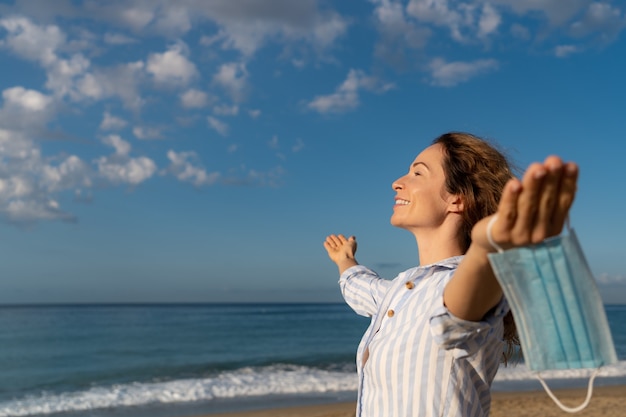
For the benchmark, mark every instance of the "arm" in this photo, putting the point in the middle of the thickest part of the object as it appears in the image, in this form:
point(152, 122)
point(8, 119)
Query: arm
point(530, 211)
point(361, 288)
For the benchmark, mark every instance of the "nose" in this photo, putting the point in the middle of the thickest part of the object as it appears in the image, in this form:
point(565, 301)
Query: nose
point(397, 184)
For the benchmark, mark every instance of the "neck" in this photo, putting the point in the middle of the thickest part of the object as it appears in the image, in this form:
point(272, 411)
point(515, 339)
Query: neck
point(436, 244)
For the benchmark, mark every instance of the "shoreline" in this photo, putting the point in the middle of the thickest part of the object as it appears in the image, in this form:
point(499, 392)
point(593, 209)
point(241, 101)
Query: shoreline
point(607, 401)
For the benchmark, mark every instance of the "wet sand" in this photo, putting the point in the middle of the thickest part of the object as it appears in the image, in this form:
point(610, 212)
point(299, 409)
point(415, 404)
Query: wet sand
point(608, 401)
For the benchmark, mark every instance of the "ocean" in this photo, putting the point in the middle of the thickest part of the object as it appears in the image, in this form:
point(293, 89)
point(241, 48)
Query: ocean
point(167, 360)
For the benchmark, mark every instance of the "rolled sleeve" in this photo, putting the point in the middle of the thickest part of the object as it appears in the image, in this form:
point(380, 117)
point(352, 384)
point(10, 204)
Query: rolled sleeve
point(465, 337)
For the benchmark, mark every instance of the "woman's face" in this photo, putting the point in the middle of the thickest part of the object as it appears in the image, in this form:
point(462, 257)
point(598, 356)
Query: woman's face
point(421, 201)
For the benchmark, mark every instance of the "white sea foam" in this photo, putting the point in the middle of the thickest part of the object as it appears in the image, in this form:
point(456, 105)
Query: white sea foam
point(520, 372)
point(245, 382)
point(241, 383)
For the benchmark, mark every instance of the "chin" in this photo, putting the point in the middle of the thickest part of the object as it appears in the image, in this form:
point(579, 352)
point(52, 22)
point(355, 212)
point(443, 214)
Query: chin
point(396, 223)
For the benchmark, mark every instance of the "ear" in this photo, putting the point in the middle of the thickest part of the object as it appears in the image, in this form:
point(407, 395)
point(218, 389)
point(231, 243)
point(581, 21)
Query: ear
point(455, 204)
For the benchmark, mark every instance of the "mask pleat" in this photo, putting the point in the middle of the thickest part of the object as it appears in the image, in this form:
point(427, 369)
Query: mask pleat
point(578, 345)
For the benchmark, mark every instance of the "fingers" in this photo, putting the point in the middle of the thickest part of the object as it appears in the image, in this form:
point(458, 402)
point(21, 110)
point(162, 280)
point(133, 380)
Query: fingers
point(507, 210)
point(567, 193)
point(528, 202)
point(536, 207)
point(337, 241)
point(545, 225)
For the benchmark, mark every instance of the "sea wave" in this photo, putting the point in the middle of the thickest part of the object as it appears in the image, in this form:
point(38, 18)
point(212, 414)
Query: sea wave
point(280, 379)
point(520, 372)
point(244, 382)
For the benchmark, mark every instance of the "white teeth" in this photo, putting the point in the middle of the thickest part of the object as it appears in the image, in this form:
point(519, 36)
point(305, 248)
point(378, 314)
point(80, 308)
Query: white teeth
point(402, 202)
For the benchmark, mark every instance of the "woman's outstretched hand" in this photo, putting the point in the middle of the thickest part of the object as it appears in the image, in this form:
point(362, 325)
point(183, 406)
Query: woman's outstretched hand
point(341, 250)
point(532, 209)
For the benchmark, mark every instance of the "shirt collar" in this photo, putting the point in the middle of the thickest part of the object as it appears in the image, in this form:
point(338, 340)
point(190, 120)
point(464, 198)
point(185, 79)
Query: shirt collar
point(449, 263)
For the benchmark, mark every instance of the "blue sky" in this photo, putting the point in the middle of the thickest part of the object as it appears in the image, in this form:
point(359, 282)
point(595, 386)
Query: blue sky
point(197, 151)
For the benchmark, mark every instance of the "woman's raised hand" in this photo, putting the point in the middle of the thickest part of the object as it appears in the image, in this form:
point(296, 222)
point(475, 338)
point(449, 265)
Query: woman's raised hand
point(532, 209)
point(341, 250)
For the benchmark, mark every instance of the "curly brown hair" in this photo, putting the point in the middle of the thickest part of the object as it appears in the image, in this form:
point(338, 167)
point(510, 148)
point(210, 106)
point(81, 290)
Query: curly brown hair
point(477, 171)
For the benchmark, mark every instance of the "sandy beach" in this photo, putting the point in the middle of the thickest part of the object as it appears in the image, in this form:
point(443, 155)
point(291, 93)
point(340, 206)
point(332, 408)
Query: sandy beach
point(609, 401)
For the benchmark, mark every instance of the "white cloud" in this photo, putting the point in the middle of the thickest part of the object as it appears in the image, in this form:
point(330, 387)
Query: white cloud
point(28, 182)
point(218, 125)
point(193, 98)
point(29, 100)
point(271, 178)
point(448, 74)
point(612, 287)
point(30, 211)
point(298, 146)
point(557, 11)
point(298, 63)
point(273, 142)
point(254, 113)
point(121, 81)
point(562, 51)
point(242, 25)
point(72, 76)
point(122, 148)
point(110, 122)
point(146, 132)
point(476, 22)
point(233, 78)
point(520, 32)
point(172, 66)
point(611, 279)
point(31, 41)
point(225, 110)
point(602, 18)
point(396, 31)
point(118, 39)
point(489, 21)
point(131, 171)
point(439, 13)
point(248, 24)
point(327, 28)
point(137, 16)
point(63, 75)
point(173, 19)
point(72, 172)
point(25, 110)
point(16, 187)
point(346, 97)
point(183, 168)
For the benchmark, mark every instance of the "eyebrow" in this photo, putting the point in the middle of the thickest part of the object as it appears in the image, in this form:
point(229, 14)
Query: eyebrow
point(419, 163)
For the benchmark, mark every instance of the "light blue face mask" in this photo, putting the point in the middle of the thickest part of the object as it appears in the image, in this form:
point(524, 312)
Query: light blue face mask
point(556, 305)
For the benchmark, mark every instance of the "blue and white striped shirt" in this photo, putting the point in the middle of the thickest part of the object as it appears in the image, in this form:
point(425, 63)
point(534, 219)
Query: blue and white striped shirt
point(421, 360)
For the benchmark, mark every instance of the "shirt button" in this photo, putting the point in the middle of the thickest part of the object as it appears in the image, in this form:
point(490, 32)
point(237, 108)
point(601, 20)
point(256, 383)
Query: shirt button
point(409, 285)
point(390, 313)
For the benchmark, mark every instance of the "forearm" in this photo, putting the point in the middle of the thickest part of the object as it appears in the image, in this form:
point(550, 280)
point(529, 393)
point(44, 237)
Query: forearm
point(474, 289)
point(345, 263)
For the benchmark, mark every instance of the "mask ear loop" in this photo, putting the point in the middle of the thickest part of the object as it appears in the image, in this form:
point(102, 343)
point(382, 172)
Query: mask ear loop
point(560, 404)
point(492, 221)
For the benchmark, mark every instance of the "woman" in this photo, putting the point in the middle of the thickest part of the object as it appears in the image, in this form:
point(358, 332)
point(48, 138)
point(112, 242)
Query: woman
point(438, 330)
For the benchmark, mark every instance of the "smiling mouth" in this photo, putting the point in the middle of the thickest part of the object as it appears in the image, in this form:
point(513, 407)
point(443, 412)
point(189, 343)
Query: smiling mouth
point(401, 202)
